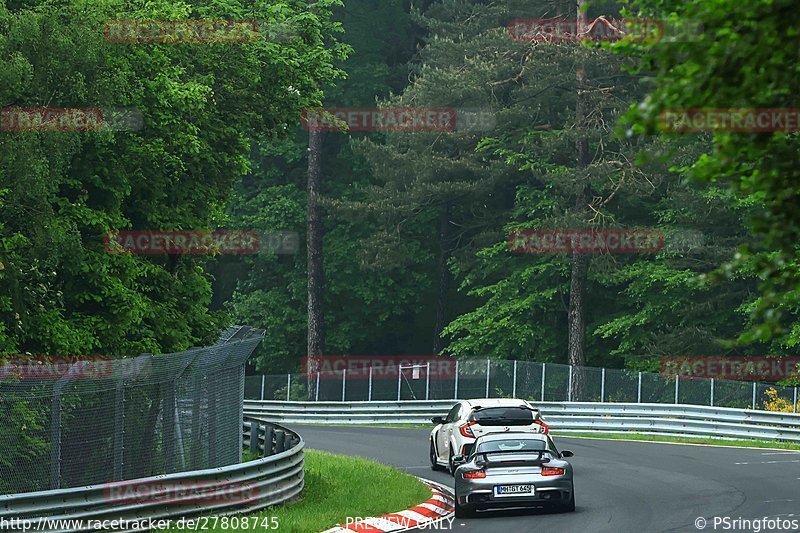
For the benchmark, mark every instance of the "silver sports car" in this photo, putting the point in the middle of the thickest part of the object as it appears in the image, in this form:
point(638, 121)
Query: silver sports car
point(506, 470)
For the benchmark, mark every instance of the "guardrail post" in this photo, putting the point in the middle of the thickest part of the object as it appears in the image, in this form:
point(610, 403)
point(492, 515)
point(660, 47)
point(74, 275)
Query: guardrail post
point(455, 389)
point(569, 385)
point(488, 372)
point(263, 382)
point(269, 432)
point(254, 431)
point(795, 399)
point(639, 390)
point(712, 392)
point(316, 392)
point(344, 382)
point(427, 380)
point(514, 386)
point(754, 395)
point(369, 394)
point(677, 383)
point(399, 377)
point(119, 430)
point(280, 441)
point(602, 385)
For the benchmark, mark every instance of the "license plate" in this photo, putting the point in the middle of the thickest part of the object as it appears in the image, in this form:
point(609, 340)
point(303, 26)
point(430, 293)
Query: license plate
point(514, 490)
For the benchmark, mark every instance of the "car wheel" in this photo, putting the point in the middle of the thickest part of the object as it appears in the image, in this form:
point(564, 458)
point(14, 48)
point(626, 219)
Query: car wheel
point(450, 462)
point(434, 458)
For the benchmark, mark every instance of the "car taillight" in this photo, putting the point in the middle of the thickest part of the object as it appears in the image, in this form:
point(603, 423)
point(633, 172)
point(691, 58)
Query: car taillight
point(552, 471)
point(545, 427)
point(474, 474)
point(466, 430)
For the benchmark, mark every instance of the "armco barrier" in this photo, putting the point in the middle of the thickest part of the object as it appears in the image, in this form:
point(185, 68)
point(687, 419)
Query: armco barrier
point(275, 478)
point(686, 420)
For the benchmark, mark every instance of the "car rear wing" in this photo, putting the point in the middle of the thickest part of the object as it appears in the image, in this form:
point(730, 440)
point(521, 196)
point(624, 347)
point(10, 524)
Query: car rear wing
point(535, 413)
point(540, 458)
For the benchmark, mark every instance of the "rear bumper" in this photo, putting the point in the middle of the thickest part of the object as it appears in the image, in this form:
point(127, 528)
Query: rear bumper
point(482, 494)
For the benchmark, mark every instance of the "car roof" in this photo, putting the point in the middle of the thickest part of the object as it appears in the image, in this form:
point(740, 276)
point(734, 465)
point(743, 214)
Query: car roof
point(511, 435)
point(496, 402)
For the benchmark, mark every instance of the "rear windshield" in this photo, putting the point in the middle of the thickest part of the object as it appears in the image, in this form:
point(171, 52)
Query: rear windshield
point(526, 445)
point(503, 416)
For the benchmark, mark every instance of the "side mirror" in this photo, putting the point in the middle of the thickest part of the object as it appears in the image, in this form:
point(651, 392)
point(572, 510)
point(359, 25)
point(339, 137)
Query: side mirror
point(567, 453)
point(437, 420)
point(459, 460)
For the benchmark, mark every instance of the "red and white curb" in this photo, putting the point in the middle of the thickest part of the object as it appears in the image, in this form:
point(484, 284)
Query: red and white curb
point(439, 506)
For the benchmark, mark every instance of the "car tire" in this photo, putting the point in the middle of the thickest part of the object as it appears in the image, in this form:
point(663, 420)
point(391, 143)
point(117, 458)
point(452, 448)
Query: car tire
point(452, 467)
point(568, 507)
point(434, 458)
point(464, 511)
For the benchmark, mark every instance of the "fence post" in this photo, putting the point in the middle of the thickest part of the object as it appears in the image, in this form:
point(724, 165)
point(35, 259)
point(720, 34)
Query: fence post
point(754, 395)
point(569, 385)
point(288, 386)
point(263, 381)
point(677, 384)
point(639, 390)
point(544, 369)
point(488, 370)
point(712, 392)
point(602, 385)
point(795, 399)
point(344, 382)
point(514, 386)
point(119, 430)
point(399, 377)
point(455, 391)
point(168, 426)
point(369, 393)
point(316, 392)
point(427, 380)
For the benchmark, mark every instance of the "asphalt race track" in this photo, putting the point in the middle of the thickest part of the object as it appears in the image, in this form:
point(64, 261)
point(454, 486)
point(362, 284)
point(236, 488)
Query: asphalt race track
point(619, 486)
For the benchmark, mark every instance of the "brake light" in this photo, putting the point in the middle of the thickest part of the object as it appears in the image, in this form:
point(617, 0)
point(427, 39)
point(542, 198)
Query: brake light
point(474, 474)
point(545, 427)
point(552, 471)
point(466, 430)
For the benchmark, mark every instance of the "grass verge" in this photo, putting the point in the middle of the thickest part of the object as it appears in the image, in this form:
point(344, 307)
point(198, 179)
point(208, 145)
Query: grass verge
point(735, 443)
point(336, 486)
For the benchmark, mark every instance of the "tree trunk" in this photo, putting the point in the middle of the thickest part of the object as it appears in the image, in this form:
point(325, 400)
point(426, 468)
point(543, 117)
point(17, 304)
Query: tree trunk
point(576, 316)
point(445, 278)
point(316, 277)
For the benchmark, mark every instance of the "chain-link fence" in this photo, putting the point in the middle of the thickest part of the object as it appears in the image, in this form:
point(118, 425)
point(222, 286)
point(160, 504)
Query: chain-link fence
point(521, 379)
point(99, 421)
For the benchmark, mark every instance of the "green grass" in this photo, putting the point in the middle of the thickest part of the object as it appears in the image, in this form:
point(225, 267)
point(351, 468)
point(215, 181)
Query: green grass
point(336, 486)
point(736, 443)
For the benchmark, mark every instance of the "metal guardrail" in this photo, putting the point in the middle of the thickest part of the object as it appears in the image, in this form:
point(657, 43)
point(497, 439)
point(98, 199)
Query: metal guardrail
point(686, 420)
point(275, 478)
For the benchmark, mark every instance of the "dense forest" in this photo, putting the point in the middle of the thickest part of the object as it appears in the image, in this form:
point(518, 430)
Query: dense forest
point(404, 235)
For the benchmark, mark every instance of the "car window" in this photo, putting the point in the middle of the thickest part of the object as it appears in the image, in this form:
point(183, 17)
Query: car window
point(503, 416)
point(452, 416)
point(512, 445)
point(552, 447)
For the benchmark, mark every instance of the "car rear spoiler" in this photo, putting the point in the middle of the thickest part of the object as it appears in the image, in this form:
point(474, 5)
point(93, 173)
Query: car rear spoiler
point(539, 460)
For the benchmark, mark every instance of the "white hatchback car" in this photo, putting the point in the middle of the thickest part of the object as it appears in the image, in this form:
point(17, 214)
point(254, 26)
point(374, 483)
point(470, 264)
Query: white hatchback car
point(455, 433)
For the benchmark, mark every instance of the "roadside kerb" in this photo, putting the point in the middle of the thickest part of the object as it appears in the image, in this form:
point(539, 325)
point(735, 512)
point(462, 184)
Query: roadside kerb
point(439, 506)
